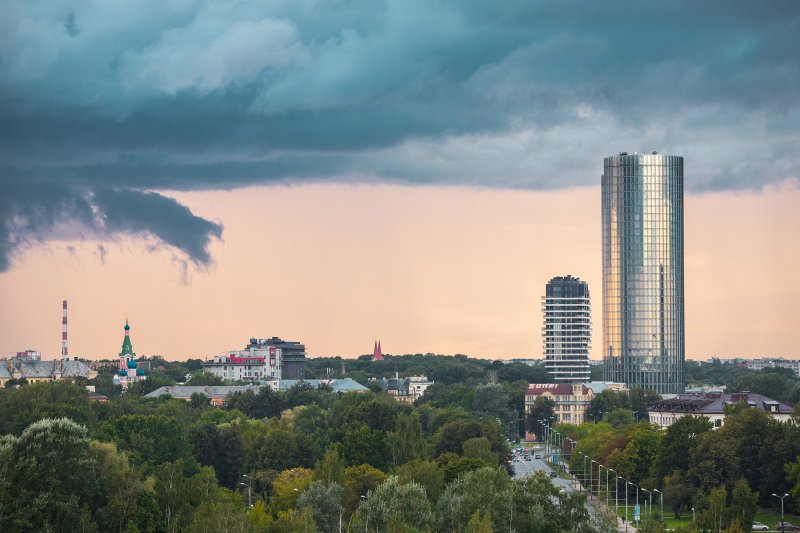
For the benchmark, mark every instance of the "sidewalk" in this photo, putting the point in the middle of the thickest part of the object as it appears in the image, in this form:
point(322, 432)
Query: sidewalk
point(621, 524)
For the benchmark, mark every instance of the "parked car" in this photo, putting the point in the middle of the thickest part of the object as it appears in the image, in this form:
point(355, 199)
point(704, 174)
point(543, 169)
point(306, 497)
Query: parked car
point(552, 474)
point(538, 457)
point(527, 457)
point(758, 526)
point(786, 526)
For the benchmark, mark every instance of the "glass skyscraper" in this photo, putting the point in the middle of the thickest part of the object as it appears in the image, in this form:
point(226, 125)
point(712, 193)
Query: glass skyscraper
point(643, 331)
point(567, 329)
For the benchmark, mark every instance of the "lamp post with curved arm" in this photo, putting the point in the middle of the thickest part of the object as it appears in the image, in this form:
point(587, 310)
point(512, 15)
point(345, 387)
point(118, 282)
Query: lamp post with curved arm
point(661, 497)
point(781, 498)
point(616, 491)
point(650, 494)
point(591, 479)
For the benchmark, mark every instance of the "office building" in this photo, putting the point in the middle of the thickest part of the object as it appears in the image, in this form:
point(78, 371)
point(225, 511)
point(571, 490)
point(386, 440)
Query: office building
point(567, 329)
point(643, 322)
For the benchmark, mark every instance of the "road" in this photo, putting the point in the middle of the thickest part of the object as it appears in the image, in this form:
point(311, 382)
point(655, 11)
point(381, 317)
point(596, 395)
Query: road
point(523, 469)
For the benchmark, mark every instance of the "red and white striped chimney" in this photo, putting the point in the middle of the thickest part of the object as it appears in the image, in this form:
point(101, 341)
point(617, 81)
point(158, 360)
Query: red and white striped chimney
point(64, 353)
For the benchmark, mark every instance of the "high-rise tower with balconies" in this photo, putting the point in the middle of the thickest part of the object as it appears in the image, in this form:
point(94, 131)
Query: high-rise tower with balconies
point(567, 329)
point(643, 325)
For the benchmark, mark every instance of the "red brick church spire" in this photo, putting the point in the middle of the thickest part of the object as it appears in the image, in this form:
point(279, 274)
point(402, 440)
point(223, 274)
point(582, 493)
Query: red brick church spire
point(376, 353)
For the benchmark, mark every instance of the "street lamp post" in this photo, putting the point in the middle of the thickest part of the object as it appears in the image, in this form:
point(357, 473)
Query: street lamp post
point(661, 497)
point(650, 494)
point(781, 498)
point(591, 479)
point(616, 491)
point(626, 503)
point(249, 486)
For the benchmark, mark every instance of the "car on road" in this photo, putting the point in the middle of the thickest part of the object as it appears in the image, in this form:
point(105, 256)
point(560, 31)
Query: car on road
point(527, 457)
point(758, 526)
point(552, 474)
point(786, 526)
point(538, 457)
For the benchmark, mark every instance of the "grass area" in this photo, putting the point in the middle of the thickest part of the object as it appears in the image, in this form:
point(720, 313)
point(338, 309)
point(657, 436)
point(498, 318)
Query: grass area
point(770, 517)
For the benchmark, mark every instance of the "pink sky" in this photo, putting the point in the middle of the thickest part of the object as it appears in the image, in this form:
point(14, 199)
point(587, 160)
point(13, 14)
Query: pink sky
point(423, 269)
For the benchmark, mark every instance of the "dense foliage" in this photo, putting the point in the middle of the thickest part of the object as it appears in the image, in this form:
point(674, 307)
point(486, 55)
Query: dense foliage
point(301, 460)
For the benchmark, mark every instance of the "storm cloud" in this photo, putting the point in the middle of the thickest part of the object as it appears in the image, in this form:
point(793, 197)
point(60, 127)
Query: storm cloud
point(103, 106)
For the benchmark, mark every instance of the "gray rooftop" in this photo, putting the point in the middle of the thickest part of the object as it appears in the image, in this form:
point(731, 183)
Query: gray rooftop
point(715, 403)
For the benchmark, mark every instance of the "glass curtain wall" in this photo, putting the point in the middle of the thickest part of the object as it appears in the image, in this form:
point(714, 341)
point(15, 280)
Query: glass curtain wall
point(643, 324)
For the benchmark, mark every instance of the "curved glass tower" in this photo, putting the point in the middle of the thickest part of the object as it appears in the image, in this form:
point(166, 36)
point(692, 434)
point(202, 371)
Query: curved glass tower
point(567, 329)
point(643, 333)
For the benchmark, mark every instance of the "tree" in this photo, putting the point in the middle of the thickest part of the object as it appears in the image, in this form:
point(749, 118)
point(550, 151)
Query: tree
point(486, 490)
point(619, 418)
point(358, 481)
point(288, 486)
point(407, 442)
point(222, 514)
point(199, 400)
point(480, 448)
point(150, 440)
point(635, 460)
point(718, 509)
point(743, 503)
point(19, 408)
point(426, 473)
point(325, 503)
point(461, 465)
point(491, 400)
point(680, 440)
point(172, 493)
point(363, 445)
point(221, 448)
point(396, 506)
point(266, 404)
point(480, 522)
point(607, 401)
point(205, 378)
point(51, 478)
point(543, 408)
point(330, 469)
point(677, 492)
point(119, 485)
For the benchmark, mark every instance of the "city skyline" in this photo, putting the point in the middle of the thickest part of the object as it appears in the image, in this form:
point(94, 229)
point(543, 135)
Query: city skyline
point(166, 313)
point(336, 173)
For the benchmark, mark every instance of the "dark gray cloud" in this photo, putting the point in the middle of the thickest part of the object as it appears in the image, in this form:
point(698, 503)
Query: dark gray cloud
point(101, 104)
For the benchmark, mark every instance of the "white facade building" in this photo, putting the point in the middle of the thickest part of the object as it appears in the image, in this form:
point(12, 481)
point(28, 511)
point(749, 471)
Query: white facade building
point(252, 364)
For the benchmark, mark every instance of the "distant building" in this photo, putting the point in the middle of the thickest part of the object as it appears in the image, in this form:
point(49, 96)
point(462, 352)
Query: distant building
point(571, 400)
point(293, 355)
point(128, 369)
point(29, 355)
point(712, 405)
point(567, 330)
point(217, 394)
point(377, 354)
point(405, 389)
point(33, 370)
point(254, 363)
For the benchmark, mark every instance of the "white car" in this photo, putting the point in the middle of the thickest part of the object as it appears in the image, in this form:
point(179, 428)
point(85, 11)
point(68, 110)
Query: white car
point(758, 526)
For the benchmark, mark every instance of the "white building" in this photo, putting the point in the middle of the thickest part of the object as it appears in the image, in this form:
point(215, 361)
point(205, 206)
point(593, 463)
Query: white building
point(712, 405)
point(251, 364)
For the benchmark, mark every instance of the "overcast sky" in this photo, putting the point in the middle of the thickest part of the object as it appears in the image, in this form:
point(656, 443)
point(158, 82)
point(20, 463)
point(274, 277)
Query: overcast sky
point(109, 109)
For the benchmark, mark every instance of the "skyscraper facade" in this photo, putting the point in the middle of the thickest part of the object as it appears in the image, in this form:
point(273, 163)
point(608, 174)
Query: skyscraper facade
point(643, 326)
point(567, 329)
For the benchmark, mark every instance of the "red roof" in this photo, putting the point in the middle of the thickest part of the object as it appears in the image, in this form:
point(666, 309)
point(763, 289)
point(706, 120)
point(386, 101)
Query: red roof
point(535, 389)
